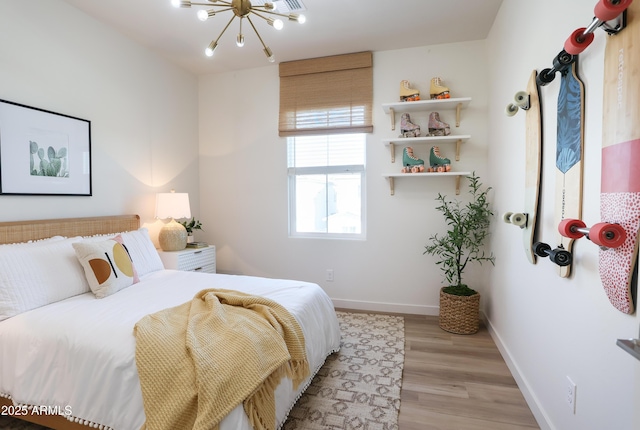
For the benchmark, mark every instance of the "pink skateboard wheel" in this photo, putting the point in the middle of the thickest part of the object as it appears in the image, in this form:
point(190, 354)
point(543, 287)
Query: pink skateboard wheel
point(606, 10)
point(609, 235)
point(566, 228)
point(574, 45)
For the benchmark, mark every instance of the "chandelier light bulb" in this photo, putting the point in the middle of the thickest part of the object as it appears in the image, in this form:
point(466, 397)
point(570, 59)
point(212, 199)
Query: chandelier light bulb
point(240, 40)
point(270, 6)
point(278, 24)
point(181, 3)
point(211, 49)
point(203, 15)
point(269, 54)
point(301, 19)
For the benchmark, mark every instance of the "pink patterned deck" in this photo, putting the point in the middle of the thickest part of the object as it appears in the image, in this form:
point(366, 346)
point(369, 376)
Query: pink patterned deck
point(616, 265)
point(620, 203)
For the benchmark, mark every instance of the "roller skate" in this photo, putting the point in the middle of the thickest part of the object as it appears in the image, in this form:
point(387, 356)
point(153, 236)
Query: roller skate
point(411, 163)
point(407, 128)
point(437, 127)
point(438, 163)
point(439, 91)
point(408, 94)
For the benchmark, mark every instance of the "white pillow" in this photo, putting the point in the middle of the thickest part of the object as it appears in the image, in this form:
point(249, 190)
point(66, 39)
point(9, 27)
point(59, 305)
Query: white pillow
point(142, 250)
point(107, 266)
point(35, 242)
point(38, 274)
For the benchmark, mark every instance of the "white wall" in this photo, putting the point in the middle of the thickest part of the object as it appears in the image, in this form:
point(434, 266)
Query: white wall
point(244, 183)
point(143, 110)
point(550, 328)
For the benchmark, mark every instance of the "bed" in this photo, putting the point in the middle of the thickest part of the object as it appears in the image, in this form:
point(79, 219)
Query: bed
point(67, 357)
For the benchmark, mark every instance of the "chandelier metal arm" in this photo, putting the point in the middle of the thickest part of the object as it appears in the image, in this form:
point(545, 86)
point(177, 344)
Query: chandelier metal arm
point(261, 16)
point(256, 31)
point(221, 10)
point(188, 4)
point(267, 50)
point(225, 29)
point(290, 16)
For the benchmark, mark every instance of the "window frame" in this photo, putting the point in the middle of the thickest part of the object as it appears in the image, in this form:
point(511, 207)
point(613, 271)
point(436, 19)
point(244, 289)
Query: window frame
point(293, 172)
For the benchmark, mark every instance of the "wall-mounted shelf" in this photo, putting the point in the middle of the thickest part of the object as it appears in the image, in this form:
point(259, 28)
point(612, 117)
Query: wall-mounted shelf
point(424, 105)
point(632, 346)
point(391, 177)
point(391, 143)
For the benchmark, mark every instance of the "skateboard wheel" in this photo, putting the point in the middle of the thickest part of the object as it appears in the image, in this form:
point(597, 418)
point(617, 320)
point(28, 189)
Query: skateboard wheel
point(541, 249)
point(545, 77)
point(519, 219)
point(511, 109)
point(578, 41)
point(568, 226)
point(561, 257)
point(507, 217)
point(563, 60)
point(606, 10)
point(607, 235)
point(522, 100)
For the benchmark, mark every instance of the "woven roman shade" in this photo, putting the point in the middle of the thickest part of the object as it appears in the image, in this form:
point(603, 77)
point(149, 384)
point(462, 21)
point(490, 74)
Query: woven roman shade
point(328, 95)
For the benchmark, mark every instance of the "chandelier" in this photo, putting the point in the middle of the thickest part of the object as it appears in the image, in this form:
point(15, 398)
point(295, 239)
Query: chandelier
point(241, 9)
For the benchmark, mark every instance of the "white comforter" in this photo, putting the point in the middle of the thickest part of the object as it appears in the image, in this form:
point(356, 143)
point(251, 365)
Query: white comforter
point(79, 352)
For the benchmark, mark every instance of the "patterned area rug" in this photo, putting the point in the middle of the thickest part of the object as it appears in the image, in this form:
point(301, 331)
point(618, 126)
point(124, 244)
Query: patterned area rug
point(357, 388)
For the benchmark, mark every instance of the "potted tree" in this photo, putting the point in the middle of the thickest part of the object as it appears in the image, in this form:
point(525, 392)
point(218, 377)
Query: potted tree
point(456, 250)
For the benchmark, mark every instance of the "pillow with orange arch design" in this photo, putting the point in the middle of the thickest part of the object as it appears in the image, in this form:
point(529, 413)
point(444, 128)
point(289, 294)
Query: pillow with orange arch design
point(107, 266)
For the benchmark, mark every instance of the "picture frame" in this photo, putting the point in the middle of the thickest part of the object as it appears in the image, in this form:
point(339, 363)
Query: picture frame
point(43, 152)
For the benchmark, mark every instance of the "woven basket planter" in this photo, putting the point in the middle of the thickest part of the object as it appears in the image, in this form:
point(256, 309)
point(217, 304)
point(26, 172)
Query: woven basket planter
point(459, 314)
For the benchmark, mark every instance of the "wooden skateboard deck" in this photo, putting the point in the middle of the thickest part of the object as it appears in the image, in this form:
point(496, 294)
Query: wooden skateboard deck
point(620, 187)
point(527, 220)
point(569, 152)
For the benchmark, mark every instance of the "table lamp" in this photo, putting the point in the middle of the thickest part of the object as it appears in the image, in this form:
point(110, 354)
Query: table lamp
point(173, 236)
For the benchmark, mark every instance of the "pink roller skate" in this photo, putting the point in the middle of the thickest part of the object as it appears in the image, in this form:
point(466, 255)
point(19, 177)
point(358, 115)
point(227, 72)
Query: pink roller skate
point(437, 127)
point(407, 128)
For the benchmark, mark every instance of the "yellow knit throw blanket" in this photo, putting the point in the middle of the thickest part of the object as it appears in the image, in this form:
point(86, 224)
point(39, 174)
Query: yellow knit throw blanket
point(199, 360)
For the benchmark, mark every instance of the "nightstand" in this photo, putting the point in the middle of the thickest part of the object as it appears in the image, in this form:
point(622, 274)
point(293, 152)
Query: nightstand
point(190, 259)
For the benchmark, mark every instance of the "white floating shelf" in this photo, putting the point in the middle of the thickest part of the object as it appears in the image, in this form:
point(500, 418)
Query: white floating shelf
point(422, 105)
point(391, 177)
point(458, 139)
point(426, 139)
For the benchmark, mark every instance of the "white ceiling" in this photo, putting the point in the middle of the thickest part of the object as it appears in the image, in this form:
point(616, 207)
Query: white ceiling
point(333, 27)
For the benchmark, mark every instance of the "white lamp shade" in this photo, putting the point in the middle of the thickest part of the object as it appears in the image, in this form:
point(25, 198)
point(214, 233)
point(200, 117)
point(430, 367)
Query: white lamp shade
point(172, 205)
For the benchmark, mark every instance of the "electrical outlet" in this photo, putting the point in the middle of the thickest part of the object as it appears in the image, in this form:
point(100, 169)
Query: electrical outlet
point(571, 394)
point(329, 275)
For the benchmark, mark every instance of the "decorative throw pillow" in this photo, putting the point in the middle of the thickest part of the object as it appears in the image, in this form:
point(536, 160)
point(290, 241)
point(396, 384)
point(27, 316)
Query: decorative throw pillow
point(107, 266)
point(141, 249)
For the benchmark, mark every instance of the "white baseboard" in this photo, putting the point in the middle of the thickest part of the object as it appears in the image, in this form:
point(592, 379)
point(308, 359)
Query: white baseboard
point(385, 307)
point(531, 399)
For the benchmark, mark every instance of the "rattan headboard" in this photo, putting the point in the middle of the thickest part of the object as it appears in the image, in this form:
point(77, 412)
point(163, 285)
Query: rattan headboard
point(22, 231)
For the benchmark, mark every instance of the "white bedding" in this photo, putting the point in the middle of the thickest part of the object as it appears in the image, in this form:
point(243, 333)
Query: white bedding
point(80, 352)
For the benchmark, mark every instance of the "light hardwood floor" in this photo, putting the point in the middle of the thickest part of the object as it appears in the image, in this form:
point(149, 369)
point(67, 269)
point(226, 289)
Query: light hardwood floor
point(457, 382)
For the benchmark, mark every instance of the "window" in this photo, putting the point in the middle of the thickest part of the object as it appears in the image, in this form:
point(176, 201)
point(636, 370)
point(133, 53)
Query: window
point(327, 185)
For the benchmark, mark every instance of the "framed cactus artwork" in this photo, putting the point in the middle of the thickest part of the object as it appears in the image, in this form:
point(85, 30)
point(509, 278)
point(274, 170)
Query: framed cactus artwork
point(43, 152)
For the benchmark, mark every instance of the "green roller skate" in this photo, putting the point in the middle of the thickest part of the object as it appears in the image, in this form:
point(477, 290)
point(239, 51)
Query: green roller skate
point(411, 163)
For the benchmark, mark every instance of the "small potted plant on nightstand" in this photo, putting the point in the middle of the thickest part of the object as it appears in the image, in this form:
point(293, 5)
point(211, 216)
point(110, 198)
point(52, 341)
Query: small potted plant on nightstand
point(190, 226)
point(461, 245)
